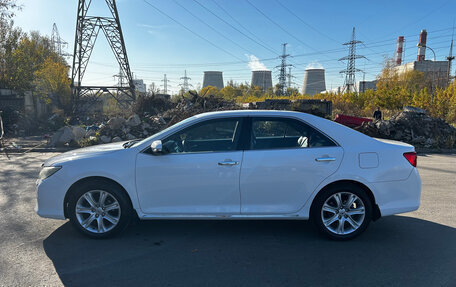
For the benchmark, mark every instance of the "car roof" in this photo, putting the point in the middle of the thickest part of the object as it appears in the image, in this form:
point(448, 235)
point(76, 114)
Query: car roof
point(250, 113)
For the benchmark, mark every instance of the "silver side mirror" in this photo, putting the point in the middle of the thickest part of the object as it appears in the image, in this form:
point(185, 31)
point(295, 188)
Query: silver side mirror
point(156, 146)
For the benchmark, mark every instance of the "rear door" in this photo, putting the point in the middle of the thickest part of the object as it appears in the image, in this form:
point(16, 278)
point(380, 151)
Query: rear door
point(286, 160)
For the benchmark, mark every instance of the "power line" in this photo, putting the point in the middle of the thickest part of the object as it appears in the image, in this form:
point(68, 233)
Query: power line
point(229, 24)
point(305, 23)
point(278, 25)
point(191, 31)
point(242, 26)
point(210, 27)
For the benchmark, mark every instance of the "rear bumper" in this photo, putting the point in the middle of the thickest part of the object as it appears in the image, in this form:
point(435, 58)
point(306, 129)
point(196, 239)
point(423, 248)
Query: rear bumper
point(395, 197)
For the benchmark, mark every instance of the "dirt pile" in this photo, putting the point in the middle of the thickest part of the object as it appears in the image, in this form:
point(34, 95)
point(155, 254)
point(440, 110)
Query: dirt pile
point(148, 122)
point(413, 126)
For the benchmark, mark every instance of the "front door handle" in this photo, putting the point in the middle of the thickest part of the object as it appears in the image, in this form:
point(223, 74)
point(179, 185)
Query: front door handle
point(228, 162)
point(323, 159)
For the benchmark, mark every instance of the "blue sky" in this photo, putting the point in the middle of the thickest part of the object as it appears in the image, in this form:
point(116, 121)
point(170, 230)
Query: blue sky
point(157, 45)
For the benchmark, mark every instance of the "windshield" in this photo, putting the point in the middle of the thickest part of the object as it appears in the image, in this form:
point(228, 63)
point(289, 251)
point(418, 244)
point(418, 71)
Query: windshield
point(164, 131)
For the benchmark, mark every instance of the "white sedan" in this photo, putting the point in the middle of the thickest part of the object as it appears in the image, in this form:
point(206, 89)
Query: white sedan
point(234, 165)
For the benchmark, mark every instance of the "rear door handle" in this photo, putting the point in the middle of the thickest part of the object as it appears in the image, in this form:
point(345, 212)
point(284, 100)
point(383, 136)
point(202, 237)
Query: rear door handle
point(228, 163)
point(322, 159)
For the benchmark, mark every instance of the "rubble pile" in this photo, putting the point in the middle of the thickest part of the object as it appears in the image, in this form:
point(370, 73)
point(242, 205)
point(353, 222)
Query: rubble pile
point(413, 126)
point(136, 126)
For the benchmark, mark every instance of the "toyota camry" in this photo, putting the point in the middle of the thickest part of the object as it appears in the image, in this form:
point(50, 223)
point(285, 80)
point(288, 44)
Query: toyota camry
point(234, 165)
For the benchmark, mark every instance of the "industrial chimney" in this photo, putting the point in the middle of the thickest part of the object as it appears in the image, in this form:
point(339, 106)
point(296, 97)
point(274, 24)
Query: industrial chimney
point(422, 46)
point(314, 82)
point(213, 78)
point(399, 50)
point(262, 79)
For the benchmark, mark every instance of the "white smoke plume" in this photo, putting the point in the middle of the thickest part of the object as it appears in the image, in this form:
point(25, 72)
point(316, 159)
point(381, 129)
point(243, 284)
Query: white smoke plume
point(314, 65)
point(255, 64)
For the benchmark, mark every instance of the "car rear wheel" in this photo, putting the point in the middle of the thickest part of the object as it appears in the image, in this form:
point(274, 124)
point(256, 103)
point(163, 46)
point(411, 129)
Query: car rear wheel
point(342, 213)
point(99, 209)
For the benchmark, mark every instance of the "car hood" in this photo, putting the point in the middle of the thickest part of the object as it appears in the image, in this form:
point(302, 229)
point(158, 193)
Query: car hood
point(86, 152)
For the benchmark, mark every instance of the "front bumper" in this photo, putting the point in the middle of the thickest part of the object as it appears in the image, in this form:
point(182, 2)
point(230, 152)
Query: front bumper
point(50, 197)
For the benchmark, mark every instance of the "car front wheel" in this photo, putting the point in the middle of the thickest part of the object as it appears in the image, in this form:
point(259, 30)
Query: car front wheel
point(342, 213)
point(99, 209)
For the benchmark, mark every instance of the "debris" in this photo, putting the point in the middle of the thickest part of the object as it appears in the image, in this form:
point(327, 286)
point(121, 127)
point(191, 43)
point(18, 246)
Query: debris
point(116, 139)
point(133, 121)
point(62, 136)
point(413, 126)
point(115, 123)
point(105, 139)
point(78, 133)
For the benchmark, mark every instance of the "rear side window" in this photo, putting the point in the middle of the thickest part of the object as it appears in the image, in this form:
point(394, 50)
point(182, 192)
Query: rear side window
point(209, 136)
point(276, 133)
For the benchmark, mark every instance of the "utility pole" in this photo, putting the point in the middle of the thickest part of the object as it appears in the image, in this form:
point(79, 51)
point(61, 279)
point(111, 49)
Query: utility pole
point(165, 84)
point(350, 71)
point(450, 58)
point(283, 70)
point(185, 85)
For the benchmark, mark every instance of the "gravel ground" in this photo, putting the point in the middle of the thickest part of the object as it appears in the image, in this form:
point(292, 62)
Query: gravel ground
point(414, 249)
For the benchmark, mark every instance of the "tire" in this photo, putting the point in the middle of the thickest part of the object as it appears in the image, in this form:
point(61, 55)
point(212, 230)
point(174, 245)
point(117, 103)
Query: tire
point(97, 219)
point(336, 218)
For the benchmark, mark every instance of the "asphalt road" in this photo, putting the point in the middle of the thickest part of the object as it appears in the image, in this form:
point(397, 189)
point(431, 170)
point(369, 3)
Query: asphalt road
point(414, 249)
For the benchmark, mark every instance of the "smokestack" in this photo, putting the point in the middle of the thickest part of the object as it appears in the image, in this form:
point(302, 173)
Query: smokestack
point(399, 50)
point(422, 46)
point(262, 79)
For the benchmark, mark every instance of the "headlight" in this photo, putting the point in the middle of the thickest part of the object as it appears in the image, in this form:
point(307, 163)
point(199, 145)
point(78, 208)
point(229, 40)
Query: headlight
point(47, 171)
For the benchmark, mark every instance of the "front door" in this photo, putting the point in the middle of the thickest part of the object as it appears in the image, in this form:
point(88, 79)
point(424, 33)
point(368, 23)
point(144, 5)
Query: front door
point(198, 172)
point(285, 163)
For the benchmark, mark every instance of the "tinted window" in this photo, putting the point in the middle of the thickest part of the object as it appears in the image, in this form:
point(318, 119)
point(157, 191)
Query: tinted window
point(209, 136)
point(273, 133)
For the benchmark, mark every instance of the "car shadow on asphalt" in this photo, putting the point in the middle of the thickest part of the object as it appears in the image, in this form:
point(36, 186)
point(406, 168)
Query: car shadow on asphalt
point(394, 251)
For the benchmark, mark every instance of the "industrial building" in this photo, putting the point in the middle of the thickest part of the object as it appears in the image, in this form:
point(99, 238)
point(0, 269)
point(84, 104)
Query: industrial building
point(314, 82)
point(139, 85)
point(262, 79)
point(362, 86)
point(436, 71)
point(213, 78)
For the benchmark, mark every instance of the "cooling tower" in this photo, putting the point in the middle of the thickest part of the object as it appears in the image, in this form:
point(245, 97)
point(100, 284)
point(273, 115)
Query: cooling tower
point(213, 78)
point(314, 82)
point(262, 79)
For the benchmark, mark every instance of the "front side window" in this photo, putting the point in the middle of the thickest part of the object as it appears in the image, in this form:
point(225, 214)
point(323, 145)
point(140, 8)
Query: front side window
point(274, 133)
point(209, 136)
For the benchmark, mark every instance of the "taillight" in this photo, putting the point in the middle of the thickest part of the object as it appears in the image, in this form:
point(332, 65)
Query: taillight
point(411, 157)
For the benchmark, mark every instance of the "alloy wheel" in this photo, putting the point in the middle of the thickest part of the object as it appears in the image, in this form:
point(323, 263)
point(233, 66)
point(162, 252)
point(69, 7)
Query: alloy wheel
point(98, 211)
point(343, 213)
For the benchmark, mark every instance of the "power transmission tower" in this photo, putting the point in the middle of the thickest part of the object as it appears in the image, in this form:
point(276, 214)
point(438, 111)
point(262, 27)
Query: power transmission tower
point(283, 70)
point(289, 76)
point(165, 84)
point(185, 85)
point(58, 44)
point(350, 71)
point(120, 78)
point(87, 29)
